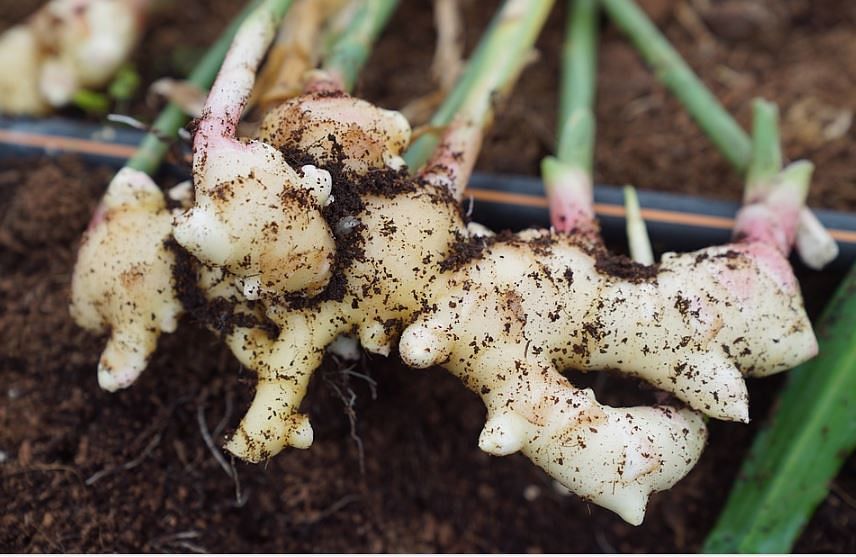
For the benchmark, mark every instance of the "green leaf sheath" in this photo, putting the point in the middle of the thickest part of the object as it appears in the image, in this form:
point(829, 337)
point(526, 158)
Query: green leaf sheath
point(492, 69)
point(576, 124)
point(766, 149)
point(793, 459)
point(353, 46)
point(677, 76)
point(153, 147)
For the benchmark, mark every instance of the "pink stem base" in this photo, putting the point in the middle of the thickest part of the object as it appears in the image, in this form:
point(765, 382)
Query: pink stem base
point(453, 160)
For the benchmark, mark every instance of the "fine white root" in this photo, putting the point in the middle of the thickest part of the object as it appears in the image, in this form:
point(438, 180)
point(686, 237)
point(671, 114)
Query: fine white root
point(66, 46)
point(122, 282)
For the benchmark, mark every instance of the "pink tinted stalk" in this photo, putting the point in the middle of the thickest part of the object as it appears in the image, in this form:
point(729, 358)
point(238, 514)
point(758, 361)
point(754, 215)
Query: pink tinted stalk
point(234, 83)
point(452, 162)
point(774, 218)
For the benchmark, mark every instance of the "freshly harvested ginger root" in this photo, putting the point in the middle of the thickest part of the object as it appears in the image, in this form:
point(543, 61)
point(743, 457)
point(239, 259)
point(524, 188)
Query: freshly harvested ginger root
point(66, 46)
point(360, 248)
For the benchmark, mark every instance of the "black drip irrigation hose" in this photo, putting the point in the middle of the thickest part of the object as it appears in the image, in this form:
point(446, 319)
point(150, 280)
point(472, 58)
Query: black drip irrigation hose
point(675, 222)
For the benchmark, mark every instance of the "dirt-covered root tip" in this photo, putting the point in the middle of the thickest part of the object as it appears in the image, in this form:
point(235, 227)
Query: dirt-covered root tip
point(613, 457)
point(271, 424)
point(284, 366)
point(425, 344)
point(125, 357)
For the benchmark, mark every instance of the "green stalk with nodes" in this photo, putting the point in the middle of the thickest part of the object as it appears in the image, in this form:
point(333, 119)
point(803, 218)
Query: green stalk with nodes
point(677, 76)
point(766, 151)
point(491, 71)
point(578, 83)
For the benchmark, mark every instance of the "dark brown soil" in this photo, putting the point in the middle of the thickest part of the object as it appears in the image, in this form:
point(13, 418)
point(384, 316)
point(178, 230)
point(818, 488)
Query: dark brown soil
point(83, 470)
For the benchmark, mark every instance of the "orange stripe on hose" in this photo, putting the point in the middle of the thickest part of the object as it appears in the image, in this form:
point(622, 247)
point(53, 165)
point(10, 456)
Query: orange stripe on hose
point(658, 215)
point(56, 142)
point(604, 209)
point(508, 198)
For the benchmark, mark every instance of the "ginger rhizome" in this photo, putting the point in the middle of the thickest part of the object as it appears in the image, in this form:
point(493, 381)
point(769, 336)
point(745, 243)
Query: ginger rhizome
point(506, 313)
point(65, 47)
point(122, 282)
point(314, 230)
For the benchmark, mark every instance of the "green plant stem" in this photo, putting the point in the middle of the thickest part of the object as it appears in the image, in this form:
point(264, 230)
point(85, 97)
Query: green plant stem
point(766, 160)
point(677, 76)
point(352, 47)
point(92, 102)
point(154, 146)
point(796, 455)
point(500, 56)
point(578, 82)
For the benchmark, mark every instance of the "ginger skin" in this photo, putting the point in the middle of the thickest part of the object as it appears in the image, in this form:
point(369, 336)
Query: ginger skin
point(503, 313)
point(122, 282)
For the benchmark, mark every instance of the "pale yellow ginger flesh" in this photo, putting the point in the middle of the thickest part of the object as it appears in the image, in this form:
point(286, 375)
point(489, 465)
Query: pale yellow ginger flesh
point(122, 282)
point(66, 46)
